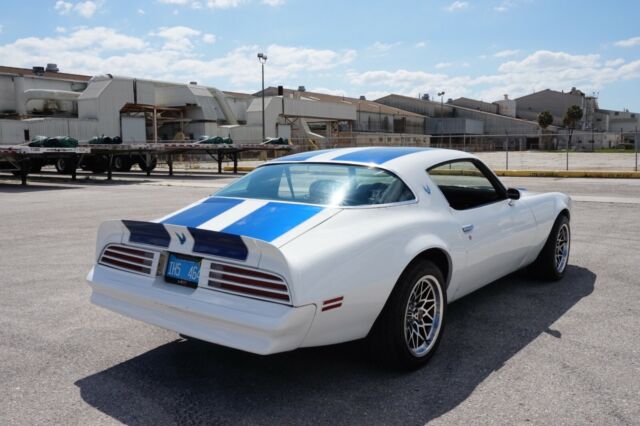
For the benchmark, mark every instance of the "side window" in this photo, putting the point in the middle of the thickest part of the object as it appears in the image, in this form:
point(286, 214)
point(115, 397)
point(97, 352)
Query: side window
point(464, 185)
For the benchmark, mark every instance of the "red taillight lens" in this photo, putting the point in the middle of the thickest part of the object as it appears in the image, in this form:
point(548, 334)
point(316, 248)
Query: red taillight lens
point(248, 282)
point(129, 259)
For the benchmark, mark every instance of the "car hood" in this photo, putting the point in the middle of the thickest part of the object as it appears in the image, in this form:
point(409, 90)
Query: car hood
point(275, 222)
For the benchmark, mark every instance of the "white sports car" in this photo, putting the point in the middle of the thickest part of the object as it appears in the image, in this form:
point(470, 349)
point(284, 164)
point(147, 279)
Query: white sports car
point(329, 246)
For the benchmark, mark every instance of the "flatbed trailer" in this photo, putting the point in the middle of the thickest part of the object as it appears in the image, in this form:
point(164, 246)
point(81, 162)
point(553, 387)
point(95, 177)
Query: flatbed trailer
point(19, 157)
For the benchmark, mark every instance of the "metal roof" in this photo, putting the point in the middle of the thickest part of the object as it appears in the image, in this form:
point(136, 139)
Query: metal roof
point(27, 72)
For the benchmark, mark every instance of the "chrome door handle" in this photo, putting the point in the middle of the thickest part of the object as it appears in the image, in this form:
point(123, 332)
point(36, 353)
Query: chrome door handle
point(467, 228)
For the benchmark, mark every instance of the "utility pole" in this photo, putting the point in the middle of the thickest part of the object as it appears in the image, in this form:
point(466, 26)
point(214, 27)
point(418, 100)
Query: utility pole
point(263, 59)
point(441, 94)
point(635, 145)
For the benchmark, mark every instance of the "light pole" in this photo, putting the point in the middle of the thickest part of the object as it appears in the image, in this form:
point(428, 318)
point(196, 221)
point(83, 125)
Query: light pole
point(441, 94)
point(263, 59)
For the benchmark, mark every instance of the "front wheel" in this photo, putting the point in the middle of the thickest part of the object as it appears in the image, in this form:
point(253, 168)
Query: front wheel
point(409, 329)
point(552, 261)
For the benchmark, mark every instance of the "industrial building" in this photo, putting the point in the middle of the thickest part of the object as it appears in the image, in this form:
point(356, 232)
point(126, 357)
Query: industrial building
point(45, 101)
point(362, 122)
point(594, 118)
point(466, 121)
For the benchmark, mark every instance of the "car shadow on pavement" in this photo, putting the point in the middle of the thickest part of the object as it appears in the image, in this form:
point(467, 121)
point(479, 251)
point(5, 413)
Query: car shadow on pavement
point(188, 381)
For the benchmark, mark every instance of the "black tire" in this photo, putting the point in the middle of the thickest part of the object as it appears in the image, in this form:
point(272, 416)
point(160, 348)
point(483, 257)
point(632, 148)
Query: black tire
point(547, 266)
point(389, 339)
point(36, 166)
point(97, 164)
point(64, 166)
point(148, 167)
point(122, 163)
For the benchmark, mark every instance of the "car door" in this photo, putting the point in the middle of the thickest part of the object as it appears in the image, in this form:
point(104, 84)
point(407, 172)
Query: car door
point(497, 231)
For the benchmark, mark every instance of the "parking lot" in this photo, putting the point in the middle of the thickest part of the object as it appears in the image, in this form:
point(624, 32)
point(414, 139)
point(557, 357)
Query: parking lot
point(518, 351)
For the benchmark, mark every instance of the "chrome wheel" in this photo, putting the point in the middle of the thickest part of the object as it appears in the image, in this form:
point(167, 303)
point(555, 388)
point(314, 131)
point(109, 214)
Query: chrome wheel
point(563, 243)
point(423, 315)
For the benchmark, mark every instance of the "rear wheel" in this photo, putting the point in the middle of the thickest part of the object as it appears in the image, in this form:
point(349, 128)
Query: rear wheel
point(409, 329)
point(552, 261)
point(64, 166)
point(122, 163)
point(148, 166)
point(97, 163)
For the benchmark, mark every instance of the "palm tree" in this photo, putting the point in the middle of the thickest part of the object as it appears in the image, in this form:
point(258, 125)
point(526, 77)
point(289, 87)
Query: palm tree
point(571, 118)
point(545, 119)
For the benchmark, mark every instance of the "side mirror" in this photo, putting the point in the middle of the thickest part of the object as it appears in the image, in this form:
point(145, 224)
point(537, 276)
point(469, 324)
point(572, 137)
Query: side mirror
point(513, 194)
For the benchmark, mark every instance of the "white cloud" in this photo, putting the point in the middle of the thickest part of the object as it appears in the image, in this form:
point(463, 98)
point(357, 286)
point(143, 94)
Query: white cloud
point(630, 42)
point(273, 3)
point(421, 44)
point(614, 62)
point(506, 53)
point(504, 5)
point(540, 70)
point(169, 54)
point(381, 48)
point(212, 4)
point(178, 37)
point(441, 65)
point(334, 92)
point(141, 12)
point(457, 6)
point(63, 7)
point(209, 38)
point(85, 9)
point(61, 30)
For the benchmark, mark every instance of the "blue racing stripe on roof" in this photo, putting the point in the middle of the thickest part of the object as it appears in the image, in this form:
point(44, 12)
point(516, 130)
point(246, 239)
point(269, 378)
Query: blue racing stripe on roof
point(200, 213)
point(303, 156)
point(377, 155)
point(272, 220)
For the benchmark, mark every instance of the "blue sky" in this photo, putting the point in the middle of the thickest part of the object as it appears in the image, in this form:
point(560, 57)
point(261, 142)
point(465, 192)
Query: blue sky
point(472, 48)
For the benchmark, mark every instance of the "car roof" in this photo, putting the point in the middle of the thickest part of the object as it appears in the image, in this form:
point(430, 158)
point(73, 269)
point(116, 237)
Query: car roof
point(392, 158)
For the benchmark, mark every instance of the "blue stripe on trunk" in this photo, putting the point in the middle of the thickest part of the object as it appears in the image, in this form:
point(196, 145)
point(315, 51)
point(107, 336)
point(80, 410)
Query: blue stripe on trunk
point(203, 212)
point(272, 220)
point(377, 155)
point(151, 233)
point(218, 244)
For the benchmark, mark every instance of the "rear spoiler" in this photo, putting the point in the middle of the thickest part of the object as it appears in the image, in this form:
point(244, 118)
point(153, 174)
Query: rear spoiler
point(193, 242)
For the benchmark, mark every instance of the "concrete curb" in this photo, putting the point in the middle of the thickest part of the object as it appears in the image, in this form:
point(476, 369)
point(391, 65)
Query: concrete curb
point(570, 174)
point(531, 173)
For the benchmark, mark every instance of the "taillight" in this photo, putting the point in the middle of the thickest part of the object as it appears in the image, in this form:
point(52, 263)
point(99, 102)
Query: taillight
point(248, 282)
point(130, 259)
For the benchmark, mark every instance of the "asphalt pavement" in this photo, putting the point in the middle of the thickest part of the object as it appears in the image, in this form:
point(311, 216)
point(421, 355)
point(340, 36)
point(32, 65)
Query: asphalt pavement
point(518, 351)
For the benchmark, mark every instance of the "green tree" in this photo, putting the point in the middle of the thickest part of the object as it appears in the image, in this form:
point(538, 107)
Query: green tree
point(571, 118)
point(545, 119)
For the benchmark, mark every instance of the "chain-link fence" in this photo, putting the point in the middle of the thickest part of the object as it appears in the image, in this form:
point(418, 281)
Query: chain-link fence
point(581, 150)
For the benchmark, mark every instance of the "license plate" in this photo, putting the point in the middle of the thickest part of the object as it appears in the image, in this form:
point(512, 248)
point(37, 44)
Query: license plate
point(182, 270)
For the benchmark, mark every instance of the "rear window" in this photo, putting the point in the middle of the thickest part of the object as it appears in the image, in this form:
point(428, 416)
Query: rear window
point(325, 184)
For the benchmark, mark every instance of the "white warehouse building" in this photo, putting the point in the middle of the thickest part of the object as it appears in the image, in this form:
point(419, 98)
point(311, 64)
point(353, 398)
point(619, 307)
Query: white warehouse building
point(47, 102)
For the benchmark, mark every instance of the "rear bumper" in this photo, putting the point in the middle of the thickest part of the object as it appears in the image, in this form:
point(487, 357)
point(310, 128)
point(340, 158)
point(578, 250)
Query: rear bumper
point(238, 322)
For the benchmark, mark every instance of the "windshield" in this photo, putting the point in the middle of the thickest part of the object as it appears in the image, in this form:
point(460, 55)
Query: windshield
point(326, 184)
